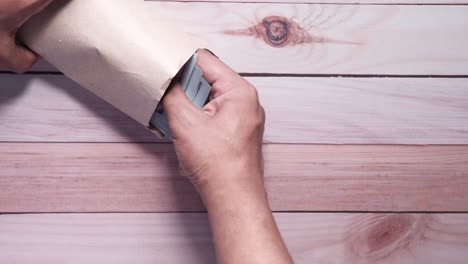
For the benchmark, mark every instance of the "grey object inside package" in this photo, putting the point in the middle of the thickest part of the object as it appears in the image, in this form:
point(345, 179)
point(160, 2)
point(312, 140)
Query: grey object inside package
point(195, 87)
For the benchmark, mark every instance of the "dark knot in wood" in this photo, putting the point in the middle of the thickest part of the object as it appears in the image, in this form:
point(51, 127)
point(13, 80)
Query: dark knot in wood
point(277, 30)
point(380, 236)
point(388, 231)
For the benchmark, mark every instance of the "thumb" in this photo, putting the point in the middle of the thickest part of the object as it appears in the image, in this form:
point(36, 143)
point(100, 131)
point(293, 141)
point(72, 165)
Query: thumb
point(182, 114)
point(19, 59)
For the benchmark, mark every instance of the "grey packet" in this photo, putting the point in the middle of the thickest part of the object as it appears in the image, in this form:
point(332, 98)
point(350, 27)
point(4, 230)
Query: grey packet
point(195, 87)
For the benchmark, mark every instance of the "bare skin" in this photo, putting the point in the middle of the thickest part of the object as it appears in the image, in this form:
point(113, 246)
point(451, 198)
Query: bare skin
point(220, 149)
point(13, 13)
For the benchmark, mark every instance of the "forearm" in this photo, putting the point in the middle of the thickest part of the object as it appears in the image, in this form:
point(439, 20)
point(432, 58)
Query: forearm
point(243, 227)
point(219, 149)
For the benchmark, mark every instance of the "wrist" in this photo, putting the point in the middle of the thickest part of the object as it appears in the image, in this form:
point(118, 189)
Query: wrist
point(234, 188)
point(228, 172)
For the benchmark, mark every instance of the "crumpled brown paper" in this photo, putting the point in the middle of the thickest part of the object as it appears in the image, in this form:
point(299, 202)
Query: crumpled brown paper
point(116, 49)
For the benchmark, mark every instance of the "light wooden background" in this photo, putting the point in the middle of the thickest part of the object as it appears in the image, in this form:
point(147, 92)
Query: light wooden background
point(366, 142)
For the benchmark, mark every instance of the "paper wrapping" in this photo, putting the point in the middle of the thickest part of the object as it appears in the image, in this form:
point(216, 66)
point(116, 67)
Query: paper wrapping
point(116, 49)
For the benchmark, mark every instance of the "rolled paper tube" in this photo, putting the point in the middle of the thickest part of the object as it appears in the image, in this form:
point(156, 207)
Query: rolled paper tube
point(116, 49)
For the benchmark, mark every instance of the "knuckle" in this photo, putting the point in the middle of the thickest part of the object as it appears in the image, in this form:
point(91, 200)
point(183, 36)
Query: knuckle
point(262, 113)
point(257, 120)
point(18, 70)
point(22, 66)
point(252, 96)
point(260, 122)
point(252, 91)
point(204, 52)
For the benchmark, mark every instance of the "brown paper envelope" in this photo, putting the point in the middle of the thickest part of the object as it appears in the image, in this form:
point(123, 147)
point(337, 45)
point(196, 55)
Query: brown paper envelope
point(116, 49)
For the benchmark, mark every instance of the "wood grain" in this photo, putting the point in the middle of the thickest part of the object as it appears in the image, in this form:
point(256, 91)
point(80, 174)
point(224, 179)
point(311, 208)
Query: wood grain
point(336, 39)
point(446, 2)
point(185, 238)
point(61, 177)
point(299, 110)
point(371, 39)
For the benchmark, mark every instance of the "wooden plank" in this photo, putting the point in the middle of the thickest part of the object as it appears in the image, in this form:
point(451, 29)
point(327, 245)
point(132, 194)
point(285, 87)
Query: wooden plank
point(66, 177)
point(185, 238)
point(53, 108)
point(365, 111)
point(394, 2)
point(328, 39)
point(299, 110)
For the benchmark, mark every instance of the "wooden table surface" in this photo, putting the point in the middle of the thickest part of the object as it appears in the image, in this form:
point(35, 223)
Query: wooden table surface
point(366, 141)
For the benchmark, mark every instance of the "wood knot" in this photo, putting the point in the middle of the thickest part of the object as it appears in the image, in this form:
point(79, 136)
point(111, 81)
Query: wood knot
point(278, 32)
point(277, 29)
point(379, 236)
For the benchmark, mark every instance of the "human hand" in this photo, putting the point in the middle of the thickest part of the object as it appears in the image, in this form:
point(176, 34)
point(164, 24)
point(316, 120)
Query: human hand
point(220, 149)
point(13, 14)
point(221, 143)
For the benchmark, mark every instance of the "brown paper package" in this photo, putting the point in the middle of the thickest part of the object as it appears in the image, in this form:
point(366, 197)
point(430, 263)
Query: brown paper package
point(116, 49)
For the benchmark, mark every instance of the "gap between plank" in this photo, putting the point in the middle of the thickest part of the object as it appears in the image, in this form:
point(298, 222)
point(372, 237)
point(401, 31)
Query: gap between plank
point(204, 212)
point(310, 3)
point(264, 143)
point(286, 75)
point(301, 75)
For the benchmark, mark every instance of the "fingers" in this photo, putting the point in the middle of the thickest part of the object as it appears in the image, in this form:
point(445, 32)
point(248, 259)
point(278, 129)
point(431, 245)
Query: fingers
point(213, 68)
point(212, 107)
point(181, 112)
point(217, 74)
point(244, 100)
point(18, 58)
point(28, 8)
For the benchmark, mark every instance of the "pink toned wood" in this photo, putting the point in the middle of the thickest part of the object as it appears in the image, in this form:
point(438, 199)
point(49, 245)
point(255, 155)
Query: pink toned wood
point(299, 110)
point(365, 111)
point(53, 109)
point(185, 238)
point(446, 2)
point(344, 39)
point(80, 177)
